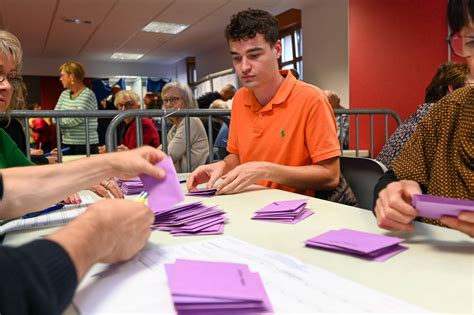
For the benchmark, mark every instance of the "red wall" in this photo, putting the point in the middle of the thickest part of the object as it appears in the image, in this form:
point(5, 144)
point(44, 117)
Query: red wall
point(395, 47)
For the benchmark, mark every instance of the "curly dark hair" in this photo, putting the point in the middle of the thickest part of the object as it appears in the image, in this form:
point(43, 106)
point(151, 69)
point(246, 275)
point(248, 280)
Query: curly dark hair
point(459, 14)
point(448, 74)
point(248, 23)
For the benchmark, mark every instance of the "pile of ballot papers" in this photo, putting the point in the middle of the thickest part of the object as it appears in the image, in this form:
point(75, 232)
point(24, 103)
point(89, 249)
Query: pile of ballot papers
point(202, 287)
point(289, 211)
point(362, 244)
point(203, 192)
point(190, 219)
point(130, 186)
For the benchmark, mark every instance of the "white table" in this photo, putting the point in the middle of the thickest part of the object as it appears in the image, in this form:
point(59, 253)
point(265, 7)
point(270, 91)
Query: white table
point(436, 273)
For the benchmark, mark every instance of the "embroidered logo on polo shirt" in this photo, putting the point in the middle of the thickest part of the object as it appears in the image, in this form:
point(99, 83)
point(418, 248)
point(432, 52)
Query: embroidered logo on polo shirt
point(283, 133)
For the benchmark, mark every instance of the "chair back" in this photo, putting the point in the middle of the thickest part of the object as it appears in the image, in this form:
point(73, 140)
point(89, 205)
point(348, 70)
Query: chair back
point(362, 174)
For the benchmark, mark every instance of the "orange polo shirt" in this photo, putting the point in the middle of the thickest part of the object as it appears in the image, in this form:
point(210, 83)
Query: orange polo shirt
point(296, 128)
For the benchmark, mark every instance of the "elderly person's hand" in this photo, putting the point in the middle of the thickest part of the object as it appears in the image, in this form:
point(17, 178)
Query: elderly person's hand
point(108, 189)
point(463, 223)
point(393, 207)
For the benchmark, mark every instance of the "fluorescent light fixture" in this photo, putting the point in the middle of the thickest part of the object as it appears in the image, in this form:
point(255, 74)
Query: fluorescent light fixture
point(76, 21)
point(167, 28)
point(126, 56)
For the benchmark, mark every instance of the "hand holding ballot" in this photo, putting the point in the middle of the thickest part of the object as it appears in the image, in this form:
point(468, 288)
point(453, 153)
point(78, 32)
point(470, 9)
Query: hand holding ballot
point(110, 230)
point(401, 202)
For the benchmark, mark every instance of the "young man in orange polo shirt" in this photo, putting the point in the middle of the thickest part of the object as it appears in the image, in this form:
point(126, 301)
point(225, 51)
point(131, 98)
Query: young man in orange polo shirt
point(282, 131)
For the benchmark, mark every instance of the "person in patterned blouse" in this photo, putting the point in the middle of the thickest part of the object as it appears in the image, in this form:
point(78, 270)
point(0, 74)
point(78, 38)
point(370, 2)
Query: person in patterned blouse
point(439, 157)
point(449, 77)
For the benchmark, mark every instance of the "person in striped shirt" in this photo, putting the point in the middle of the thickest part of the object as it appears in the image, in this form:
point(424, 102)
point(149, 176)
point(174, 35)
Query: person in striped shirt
point(76, 96)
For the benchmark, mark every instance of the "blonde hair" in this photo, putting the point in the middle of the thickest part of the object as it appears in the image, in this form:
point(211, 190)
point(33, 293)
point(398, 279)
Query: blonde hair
point(10, 47)
point(184, 90)
point(73, 67)
point(131, 95)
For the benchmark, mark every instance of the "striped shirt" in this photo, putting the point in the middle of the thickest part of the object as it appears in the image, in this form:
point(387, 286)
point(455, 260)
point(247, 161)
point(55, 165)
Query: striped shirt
point(73, 129)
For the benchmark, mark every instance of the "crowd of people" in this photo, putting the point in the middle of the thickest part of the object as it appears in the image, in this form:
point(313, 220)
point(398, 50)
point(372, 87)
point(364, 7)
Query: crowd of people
point(271, 142)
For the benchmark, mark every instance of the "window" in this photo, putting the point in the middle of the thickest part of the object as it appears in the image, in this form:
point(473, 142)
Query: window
point(291, 38)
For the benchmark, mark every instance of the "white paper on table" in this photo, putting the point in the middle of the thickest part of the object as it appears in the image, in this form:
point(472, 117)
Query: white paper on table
point(55, 218)
point(140, 285)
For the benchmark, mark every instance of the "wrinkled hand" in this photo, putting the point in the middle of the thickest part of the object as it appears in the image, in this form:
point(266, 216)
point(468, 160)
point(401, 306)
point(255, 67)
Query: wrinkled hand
point(241, 177)
point(72, 199)
point(208, 173)
point(464, 222)
point(122, 148)
point(124, 227)
point(108, 189)
point(393, 207)
point(129, 164)
point(102, 149)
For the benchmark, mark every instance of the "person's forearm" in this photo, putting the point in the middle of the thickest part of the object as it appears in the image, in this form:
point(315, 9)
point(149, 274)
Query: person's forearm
point(231, 161)
point(83, 243)
point(312, 177)
point(48, 184)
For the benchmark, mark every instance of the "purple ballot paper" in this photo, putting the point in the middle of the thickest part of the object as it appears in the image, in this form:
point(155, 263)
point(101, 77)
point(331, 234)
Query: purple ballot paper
point(203, 192)
point(363, 244)
point(163, 193)
point(203, 287)
point(435, 207)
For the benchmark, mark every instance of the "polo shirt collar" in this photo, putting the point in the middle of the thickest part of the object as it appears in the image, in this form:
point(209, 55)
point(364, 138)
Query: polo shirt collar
point(279, 98)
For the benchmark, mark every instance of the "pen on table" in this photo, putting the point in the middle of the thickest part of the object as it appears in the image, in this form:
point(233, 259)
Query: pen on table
point(141, 197)
point(47, 210)
point(62, 150)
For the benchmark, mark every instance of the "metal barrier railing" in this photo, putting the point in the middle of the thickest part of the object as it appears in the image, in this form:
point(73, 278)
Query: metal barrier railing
point(386, 113)
point(25, 115)
point(110, 136)
point(119, 116)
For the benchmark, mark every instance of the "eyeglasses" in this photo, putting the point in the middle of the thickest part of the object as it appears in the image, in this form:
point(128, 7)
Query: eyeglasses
point(172, 100)
point(9, 77)
point(462, 46)
point(128, 104)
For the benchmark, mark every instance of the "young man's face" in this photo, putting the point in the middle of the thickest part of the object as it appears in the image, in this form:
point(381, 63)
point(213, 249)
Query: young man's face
point(255, 60)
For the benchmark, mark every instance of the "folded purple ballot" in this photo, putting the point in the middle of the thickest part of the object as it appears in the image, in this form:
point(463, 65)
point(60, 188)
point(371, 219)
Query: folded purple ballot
point(210, 287)
point(435, 207)
point(130, 186)
point(362, 244)
point(288, 211)
point(203, 192)
point(166, 192)
point(190, 219)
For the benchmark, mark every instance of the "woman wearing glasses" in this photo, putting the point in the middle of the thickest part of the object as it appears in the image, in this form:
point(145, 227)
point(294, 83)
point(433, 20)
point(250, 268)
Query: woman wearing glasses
point(129, 100)
point(439, 158)
point(177, 96)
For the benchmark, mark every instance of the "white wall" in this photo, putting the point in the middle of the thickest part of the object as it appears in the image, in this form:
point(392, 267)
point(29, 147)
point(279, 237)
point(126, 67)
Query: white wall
point(213, 60)
point(326, 46)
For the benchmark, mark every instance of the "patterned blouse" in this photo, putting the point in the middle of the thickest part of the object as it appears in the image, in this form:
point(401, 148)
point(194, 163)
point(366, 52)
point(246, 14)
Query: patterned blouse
point(394, 145)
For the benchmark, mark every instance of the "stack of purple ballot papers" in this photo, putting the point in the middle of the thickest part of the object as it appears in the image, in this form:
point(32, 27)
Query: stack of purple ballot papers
point(190, 219)
point(130, 186)
point(201, 287)
point(289, 211)
point(362, 244)
point(434, 207)
point(203, 192)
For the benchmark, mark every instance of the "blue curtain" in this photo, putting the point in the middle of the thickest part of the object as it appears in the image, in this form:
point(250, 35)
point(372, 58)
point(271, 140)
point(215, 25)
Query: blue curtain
point(155, 85)
point(102, 88)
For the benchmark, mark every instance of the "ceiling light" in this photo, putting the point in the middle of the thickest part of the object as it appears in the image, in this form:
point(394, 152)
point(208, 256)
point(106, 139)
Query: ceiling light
point(126, 56)
point(76, 21)
point(167, 28)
